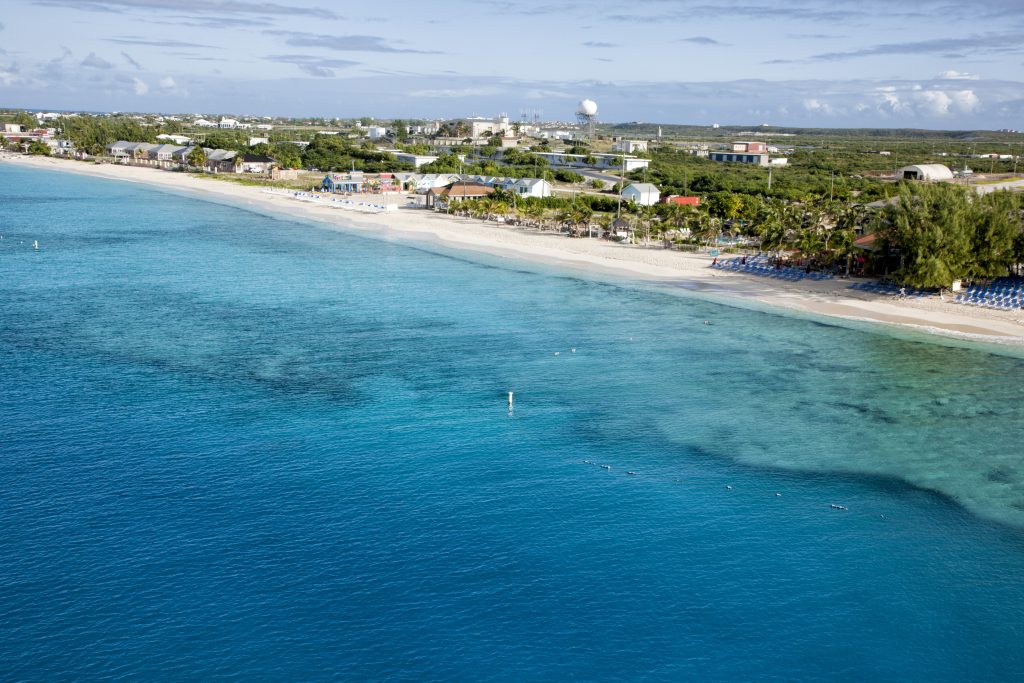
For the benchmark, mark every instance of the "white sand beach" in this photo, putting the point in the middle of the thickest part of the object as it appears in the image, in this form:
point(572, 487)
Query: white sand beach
point(689, 271)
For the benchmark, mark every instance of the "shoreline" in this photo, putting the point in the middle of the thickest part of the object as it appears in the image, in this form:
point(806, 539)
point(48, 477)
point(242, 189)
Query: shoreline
point(681, 271)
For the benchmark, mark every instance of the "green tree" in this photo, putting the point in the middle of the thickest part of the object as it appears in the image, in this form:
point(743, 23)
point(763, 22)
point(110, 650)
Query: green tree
point(25, 119)
point(287, 155)
point(39, 148)
point(930, 230)
point(197, 157)
point(401, 130)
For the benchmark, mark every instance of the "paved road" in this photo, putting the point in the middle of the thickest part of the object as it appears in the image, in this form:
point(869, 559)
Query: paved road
point(1009, 184)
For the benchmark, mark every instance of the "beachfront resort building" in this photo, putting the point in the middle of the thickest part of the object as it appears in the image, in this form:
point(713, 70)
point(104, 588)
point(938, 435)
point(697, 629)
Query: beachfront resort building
point(256, 163)
point(641, 194)
point(457, 192)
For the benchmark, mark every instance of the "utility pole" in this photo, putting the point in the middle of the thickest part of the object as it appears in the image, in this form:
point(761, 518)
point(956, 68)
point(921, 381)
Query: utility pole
point(831, 185)
point(769, 178)
point(622, 183)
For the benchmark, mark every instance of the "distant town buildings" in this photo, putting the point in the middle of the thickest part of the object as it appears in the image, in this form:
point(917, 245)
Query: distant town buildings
point(607, 161)
point(630, 146)
point(743, 153)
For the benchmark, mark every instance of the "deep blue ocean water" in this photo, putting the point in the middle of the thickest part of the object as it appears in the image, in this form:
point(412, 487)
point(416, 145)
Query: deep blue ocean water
point(234, 446)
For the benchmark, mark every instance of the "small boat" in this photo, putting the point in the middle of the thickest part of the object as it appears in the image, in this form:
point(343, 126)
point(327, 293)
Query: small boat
point(607, 467)
point(728, 487)
point(630, 472)
point(839, 507)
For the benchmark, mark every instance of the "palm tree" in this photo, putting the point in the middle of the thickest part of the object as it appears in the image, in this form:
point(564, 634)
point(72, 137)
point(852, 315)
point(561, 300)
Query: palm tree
point(708, 227)
point(197, 157)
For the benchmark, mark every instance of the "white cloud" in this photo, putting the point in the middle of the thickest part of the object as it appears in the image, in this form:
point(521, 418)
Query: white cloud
point(966, 100)
point(935, 102)
point(916, 101)
point(8, 75)
point(957, 76)
point(140, 86)
point(816, 105)
point(167, 83)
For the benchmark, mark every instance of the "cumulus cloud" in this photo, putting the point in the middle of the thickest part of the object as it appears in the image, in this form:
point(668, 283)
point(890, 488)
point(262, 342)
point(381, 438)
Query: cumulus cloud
point(93, 61)
point(816, 105)
point(167, 83)
point(140, 86)
point(930, 102)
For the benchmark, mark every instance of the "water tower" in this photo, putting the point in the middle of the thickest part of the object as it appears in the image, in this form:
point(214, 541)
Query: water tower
point(586, 114)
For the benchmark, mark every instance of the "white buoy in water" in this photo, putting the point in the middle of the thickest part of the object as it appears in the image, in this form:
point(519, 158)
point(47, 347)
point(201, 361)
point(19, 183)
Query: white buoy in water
point(573, 349)
point(35, 245)
point(510, 400)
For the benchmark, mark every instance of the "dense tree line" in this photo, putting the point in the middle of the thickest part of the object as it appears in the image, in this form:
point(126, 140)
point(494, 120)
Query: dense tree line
point(941, 233)
point(336, 153)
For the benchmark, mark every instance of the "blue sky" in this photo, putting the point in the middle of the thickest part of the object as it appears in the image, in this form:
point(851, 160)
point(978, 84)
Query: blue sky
point(917, 63)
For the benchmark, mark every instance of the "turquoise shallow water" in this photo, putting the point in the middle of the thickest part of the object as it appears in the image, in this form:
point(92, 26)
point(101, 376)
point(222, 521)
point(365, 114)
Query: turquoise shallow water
point(234, 446)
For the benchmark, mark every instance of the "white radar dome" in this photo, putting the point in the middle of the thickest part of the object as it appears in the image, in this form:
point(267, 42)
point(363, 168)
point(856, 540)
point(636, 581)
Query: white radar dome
point(588, 107)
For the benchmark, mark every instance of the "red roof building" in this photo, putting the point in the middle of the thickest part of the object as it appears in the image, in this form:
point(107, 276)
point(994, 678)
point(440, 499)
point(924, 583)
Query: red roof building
point(679, 199)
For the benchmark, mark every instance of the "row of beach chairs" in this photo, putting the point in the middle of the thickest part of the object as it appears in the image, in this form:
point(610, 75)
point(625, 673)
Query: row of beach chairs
point(761, 265)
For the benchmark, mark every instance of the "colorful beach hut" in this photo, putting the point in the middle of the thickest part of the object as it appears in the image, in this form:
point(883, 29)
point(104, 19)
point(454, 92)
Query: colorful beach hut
point(342, 183)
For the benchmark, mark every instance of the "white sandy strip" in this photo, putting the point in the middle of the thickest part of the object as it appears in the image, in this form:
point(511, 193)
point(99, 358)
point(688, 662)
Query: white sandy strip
point(689, 271)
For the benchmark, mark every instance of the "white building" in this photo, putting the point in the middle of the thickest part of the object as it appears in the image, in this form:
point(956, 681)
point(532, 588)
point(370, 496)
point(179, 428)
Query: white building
point(416, 160)
point(610, 161)
point(204, 123)
point(532, 187)
point(376, 132)
point(228, 124)
point(176, 139)
point(630, 146)
point(259, 141)
point(642, 194)
point(264, 126)
point(924, 172)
